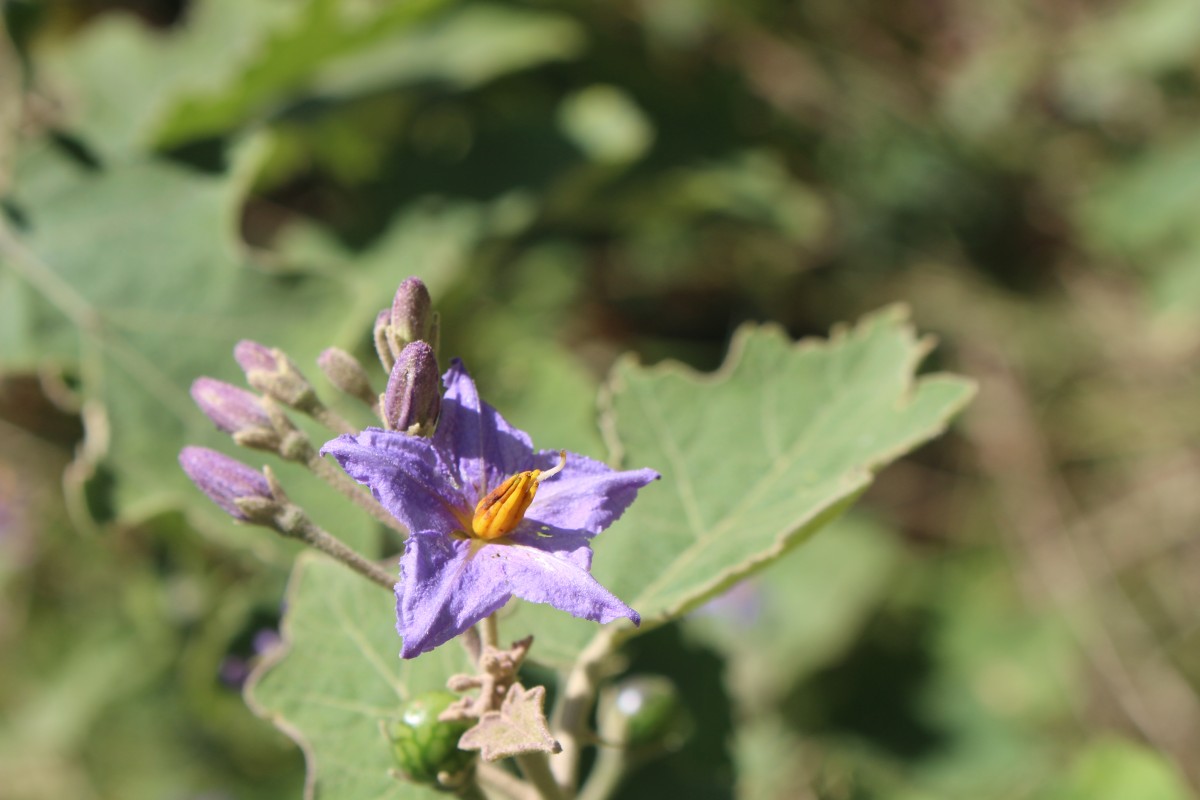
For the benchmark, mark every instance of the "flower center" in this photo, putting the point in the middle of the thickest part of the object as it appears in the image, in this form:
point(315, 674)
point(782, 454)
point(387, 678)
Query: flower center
point(503, 509)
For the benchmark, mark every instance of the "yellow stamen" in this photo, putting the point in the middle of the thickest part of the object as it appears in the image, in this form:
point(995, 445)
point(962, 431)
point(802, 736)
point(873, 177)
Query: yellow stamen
point(502, 510)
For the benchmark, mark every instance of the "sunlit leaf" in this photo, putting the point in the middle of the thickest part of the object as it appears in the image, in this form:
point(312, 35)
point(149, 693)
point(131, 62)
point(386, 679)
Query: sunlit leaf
point(338, 675)
point(1114, 770)
point(134, 280)
point(754, 459)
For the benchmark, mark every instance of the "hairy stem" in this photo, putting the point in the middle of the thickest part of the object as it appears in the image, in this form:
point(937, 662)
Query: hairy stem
point(352, 491)
point(607, 772)
point(536, 769)
point(491, 631)
point(574, 707)
point(311, 534)
point(471, 643)
point(512, 787)
point(333, 420)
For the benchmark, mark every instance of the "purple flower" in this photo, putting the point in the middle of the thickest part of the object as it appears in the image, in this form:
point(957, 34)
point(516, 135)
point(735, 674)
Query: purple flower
point(489, 517)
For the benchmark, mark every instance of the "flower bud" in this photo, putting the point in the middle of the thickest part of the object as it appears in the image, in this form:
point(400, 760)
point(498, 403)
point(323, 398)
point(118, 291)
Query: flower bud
point(271, 372)
point(231, 409)
point(412, 311)
point(252, 356)
point(644, 712)
point(344, 372)
point(422, 744)
point(383, 322)
point(414, 392)
point(230, 484)
point(410, 319)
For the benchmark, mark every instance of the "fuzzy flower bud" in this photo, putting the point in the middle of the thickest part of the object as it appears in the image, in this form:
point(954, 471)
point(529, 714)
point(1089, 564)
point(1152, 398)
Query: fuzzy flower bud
point(412, 311)
point(232, 410)
point(251, 355)
point(228, 483)
point(383, 323)
point(344, 372)
point(414, 392)
point(410, 319)
point(271, 372)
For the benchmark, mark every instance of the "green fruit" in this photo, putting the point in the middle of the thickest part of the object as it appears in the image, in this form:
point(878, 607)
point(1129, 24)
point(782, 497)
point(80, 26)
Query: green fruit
point(644, 711)
point(424, 746)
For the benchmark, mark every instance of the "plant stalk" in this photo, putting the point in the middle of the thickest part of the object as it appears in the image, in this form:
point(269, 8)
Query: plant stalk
point(311, 534)
point(333, 420)
point(610, 767)
point(573, 709)
point(536, 769)
point(491, 631)
point(353, 492)
point(512, 787)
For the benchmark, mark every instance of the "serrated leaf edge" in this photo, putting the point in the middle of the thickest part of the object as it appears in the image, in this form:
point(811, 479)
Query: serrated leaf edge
point(274, 658)
point(854, 481)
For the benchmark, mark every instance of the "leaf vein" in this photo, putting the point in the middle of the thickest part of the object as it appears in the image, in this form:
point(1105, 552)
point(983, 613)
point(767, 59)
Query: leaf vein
point(372, 656)
point(779, 466)
point(683, 485)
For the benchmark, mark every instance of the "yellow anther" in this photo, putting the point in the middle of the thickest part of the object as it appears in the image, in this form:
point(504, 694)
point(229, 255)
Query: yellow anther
point(502, 510)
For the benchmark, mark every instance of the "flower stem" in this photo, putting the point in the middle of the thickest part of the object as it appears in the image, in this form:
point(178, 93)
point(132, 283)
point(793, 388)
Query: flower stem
point(491, 631)
point(332, 420)
point(470, 791)
point(352, 491)
point(311, 534)
point(607, 772)
point(471, 643)
point(510, 786)
point(573, 709)
point(536, 769)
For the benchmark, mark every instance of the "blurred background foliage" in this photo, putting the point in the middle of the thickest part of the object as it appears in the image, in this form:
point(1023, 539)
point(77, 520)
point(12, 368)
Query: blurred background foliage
point(1011, 613)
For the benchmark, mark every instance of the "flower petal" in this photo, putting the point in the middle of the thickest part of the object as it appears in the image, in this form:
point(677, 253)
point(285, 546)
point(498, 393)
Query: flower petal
point(587, 495)
point(574, 546)
point(475, 439)
point(541, 576)
point(405, 473)
point(446, 585)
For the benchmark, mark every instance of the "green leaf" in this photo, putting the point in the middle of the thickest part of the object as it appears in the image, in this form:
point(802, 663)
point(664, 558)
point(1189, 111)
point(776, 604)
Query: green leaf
point(129, 87)
point(1116, 770)
point(606, 124)
point(1141, 39)
point(338, 675)
point(754, 459)
point(133, 278)
point(280, 69)
point(1138, 207)
point(474, 44)
point(119, 78)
